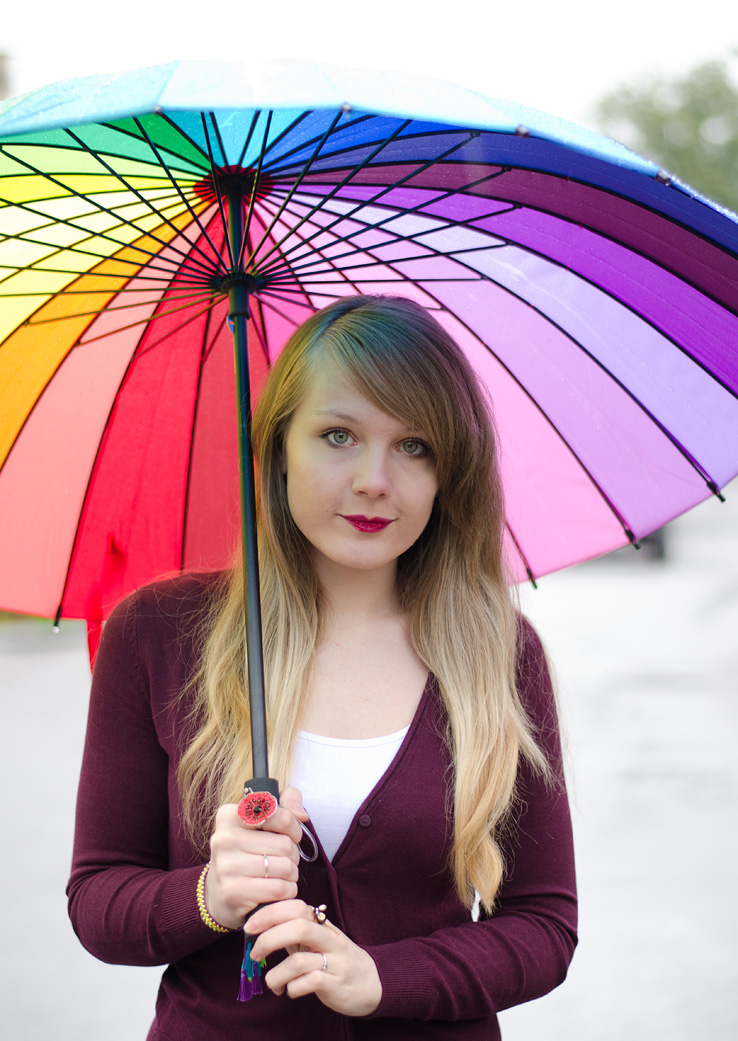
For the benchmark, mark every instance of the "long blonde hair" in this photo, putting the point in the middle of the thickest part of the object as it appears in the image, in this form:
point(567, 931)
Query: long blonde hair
point(451, 582)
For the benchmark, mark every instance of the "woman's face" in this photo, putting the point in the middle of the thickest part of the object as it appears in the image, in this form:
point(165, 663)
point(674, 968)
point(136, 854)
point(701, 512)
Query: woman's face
point(360, 483)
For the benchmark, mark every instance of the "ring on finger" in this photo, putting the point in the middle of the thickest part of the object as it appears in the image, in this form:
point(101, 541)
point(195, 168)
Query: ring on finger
point(325, 962)
point(319, 914)
point(266, 866)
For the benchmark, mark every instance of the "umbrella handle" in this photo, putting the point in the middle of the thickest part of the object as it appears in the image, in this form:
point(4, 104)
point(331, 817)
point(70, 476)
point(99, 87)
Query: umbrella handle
point(257, 785)
point(251, 972)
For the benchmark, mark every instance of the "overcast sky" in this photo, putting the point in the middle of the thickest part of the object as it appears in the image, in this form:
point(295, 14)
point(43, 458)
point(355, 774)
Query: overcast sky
point(558, 57)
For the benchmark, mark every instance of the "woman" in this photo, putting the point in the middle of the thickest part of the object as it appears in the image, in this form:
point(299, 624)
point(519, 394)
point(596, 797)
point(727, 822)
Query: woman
point(390, 644)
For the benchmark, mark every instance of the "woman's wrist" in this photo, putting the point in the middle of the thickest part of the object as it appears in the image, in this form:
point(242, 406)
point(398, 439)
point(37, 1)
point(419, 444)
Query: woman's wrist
point(202, 906)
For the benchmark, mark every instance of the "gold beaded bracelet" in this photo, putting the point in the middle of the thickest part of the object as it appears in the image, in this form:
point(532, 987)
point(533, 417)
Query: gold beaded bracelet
point(204, 913)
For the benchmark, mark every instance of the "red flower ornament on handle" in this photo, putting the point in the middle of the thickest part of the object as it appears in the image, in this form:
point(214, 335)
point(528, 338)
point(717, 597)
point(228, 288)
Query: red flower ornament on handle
point(256, 807)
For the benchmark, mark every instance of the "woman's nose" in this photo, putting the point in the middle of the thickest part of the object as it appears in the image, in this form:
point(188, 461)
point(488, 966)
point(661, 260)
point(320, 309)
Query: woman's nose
point(371, 476)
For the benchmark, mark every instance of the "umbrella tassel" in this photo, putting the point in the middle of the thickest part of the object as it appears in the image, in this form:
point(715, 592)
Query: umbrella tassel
point(251, 972)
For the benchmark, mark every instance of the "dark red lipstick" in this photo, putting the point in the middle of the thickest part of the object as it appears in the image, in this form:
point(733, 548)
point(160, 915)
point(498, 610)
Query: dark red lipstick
point(368, 524)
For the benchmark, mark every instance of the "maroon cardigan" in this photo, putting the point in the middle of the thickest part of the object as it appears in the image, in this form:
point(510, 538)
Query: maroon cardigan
point(134, 872)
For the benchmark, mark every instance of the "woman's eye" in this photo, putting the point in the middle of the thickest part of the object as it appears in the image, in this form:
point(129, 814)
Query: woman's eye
point(337, 437)
point(414, 447)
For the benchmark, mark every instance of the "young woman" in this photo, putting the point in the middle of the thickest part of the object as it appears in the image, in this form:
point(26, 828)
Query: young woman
point(411, 722)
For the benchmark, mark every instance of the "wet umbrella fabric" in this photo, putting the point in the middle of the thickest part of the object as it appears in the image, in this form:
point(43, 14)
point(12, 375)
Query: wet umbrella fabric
point(597, 299)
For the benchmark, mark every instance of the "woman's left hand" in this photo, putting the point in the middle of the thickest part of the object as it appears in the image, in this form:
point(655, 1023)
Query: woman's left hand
point(348, 984)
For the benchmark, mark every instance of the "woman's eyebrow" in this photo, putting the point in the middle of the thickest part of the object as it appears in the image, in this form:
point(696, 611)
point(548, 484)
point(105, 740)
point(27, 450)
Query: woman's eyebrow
point(333, 412)
point(337, 414)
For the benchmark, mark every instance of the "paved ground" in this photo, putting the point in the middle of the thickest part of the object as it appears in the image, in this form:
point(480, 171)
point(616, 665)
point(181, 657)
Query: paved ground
point(647, 657)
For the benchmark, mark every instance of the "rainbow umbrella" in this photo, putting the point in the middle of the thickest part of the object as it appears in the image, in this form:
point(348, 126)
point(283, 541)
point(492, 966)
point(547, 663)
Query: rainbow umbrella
point(596, 297)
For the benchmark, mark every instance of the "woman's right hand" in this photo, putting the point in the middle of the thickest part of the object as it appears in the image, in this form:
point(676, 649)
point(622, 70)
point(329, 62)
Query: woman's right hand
point(252, 865)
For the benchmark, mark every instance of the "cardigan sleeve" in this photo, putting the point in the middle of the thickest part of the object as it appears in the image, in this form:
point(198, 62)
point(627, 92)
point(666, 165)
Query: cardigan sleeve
point(524, 948)
point(126, 904)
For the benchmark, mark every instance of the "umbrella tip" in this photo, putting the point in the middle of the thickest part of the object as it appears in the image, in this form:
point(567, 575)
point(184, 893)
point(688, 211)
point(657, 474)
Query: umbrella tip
point(522, 131)
point(715, 491)
point(632, 539)
point(663, 177)
point(57, 616)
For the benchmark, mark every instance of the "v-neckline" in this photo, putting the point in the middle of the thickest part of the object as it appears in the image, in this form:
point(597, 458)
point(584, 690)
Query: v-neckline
point(396, 759)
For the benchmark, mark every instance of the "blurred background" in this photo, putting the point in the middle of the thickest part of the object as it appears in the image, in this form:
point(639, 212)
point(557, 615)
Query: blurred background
point(645, 644)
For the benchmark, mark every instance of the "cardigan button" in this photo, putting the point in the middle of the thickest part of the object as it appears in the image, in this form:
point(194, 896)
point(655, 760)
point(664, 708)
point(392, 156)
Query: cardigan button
point(365, 820)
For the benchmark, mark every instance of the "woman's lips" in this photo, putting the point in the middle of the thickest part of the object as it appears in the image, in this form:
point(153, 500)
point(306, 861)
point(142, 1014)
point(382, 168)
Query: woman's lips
point(367, 524)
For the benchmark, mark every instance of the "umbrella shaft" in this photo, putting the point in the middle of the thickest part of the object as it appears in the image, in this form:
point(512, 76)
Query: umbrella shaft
point(238, 312)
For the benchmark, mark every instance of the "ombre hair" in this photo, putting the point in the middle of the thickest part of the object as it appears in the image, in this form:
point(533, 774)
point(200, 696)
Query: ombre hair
point(451, 583)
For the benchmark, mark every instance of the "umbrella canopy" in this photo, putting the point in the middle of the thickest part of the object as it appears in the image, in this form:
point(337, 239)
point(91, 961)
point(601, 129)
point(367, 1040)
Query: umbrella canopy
point(597, 299)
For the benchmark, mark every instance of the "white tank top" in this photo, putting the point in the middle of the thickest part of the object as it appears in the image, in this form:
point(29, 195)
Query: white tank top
point(335, 775)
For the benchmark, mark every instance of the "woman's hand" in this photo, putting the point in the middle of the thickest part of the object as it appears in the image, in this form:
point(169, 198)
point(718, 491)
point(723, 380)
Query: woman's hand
point(252, 865)
point(348, 984)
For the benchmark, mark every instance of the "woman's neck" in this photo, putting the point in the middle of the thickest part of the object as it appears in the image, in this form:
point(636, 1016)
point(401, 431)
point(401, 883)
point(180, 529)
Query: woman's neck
point(358, 595)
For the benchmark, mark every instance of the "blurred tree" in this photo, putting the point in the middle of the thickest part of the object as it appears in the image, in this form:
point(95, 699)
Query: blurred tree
point(688, 124)
point(4, 78)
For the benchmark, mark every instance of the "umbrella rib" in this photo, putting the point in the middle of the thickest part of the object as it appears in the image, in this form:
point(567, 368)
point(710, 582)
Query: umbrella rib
point(282, 314)
point(516, 205)
point(150, 346)
point(631, 537)
point(683, 451)
point(51, 222)
point(623, 303)
point(121, 245)
point(301, 263)
point(341, 274)
point(103, 436)
point(57, 250)
point(519, 548)
point(85, 274)
point(323, 199)
point(610, 238)
point(297, 266)
point(182, 196)
point(144, 321)
point(90, 476)
point(689, 458)
point(178, 129)
point(375, 259)
point(346, 152)
point(252, 197)
point(113, 291)
point(285, 202)
point(306, 217)
point(90, 292)
point(111, 151)
point(217, 189)
point(284, 283)
point(605, 497)
point(88, 201)
point(178, 231)
point(387, 188)
point(25, 236)
point(185, 504)
point(597, 486)
point(244, 150)
point(306, 144)
point(193, 298)
point(218, 138)
point(287, 130)
point(287, 300)
point(259, 329)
